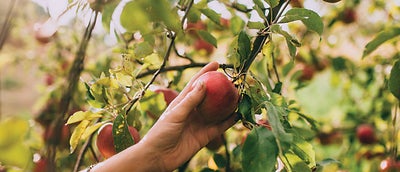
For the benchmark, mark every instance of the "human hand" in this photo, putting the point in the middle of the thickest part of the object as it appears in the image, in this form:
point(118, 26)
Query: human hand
point(179, 133)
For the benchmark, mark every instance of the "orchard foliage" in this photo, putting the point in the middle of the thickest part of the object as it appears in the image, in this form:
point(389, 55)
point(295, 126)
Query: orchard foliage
point(301, 99)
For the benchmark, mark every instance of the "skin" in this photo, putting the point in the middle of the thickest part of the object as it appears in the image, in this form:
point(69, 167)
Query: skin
point(179, 134)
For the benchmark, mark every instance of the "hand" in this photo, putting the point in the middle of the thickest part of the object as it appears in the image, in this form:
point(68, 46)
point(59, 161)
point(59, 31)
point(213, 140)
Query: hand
point(180, 132)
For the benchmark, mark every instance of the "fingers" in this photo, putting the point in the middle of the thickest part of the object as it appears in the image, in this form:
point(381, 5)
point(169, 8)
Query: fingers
point(212, 66)
point(181, 111)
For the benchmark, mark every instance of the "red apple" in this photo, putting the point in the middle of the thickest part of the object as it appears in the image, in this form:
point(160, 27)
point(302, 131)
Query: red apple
point(40, 165)
point(203, 47)
point(366, 134)
point(169, 94)
point(308, 72)
point(348, 16)
point(221, 97)
point(105, 140)
point(192, 27)
point(49, 79)
point(389, 165)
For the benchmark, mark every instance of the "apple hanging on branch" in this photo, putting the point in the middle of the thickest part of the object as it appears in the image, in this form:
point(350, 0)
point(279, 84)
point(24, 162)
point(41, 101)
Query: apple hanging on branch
point(105, 140)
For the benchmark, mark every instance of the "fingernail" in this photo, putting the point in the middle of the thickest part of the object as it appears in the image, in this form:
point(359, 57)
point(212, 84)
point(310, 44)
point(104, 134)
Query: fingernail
point(199, 85)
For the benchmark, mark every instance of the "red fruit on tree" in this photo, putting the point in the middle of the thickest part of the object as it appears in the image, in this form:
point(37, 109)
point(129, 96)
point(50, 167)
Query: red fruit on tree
point(192, 27)
point(348, 16)
point(169, 94)
point(40, 165)
point(221, 96)
point(203, 46)
point(49, 79)
point(366, 134)
point(105, 140)
point(307, 73)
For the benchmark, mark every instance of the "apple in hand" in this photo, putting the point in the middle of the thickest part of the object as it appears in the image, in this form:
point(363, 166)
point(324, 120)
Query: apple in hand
point(366, 134)
point(221, 97)
point(105, 140)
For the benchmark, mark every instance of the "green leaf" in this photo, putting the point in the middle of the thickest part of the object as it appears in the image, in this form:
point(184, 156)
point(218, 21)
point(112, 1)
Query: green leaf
point(246, 111)
point(303, 150)
point(272, 3)
point(274, 115)
point(289, 38)
point(212, 15)
point(107, 14)
point(291, 41)
point(161, 10)
point(243, 46)
point(236, 25)
point(259, 4)
point(133, 18)
point(76, 135)
point(260, 12)
point(121, 135)
point(260, 151)
point(309, 18)
point(12, 131)
point(394, 80)
point(255, 25)
point(382, 37)
point(208, 37)
point(143, 49)
point(89, 95)
point(293, 163)
point(219, 160)
point(82, 115)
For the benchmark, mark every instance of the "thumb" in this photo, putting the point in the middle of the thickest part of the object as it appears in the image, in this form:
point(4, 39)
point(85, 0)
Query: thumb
point(181, 111)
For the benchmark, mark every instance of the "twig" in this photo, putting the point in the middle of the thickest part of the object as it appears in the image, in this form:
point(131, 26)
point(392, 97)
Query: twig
point(7, 23)
point(138, 96)
point(227, 154)
point(73, 78)
point(82, 153)
point(180, 67)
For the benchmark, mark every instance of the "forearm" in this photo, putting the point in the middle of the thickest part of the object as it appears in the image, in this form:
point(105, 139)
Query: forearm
point(135, 158)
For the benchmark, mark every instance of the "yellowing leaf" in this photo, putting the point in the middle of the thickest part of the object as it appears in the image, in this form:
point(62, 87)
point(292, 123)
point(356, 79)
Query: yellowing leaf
point(76, 135)
point(91, 129)
point(81, 115)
